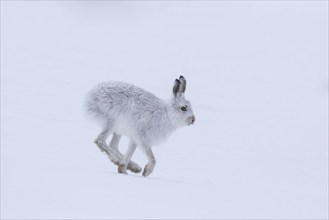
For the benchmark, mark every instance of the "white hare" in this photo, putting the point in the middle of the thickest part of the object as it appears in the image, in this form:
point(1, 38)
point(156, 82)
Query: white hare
point(124, 109)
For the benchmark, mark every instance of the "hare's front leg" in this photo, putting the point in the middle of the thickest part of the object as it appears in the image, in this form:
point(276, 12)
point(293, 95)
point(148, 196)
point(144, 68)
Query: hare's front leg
point(127, 163)
point(122, 161)
point(151, 161)
point(132, 166)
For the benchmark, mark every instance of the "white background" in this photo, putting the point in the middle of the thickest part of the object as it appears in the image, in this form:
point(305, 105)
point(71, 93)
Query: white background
point(257, 77)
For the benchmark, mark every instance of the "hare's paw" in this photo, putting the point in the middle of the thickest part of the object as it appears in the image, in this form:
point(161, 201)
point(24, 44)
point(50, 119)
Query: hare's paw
point(134, 167)
point(148, 169)
point(122, 168)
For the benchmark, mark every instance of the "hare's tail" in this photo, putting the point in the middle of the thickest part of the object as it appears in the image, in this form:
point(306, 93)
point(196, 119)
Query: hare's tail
point(93, 111)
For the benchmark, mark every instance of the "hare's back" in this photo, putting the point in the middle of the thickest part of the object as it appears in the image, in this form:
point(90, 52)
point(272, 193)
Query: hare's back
point(120, 97)
point(120, 91)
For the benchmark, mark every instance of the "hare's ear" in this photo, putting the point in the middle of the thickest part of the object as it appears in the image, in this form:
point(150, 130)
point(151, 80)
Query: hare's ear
point(177, 85)
point(183, 84)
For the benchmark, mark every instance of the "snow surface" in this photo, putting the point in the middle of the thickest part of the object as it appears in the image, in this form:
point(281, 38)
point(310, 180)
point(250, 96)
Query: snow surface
point(257, 80)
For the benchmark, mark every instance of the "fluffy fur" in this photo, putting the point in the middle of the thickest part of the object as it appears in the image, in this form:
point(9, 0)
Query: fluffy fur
point(125, 109)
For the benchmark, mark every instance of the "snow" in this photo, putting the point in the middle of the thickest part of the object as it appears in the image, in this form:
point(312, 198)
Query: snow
point(257, 75)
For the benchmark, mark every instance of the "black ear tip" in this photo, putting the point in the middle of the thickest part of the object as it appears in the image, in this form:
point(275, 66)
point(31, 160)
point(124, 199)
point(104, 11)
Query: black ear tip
point(177, 81)
point(181, 77)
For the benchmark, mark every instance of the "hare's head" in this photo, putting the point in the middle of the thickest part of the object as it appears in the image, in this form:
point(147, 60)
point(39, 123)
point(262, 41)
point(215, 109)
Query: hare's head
point(181, 112)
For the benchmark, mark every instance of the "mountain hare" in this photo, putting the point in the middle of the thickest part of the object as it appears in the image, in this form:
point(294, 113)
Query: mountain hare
point(125, 109)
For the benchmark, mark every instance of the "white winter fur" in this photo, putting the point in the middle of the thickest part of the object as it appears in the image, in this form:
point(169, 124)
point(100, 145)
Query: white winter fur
point(124, 109)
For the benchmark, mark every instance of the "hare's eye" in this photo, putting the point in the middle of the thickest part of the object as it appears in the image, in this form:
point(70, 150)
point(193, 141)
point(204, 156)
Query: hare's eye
point(183, 109)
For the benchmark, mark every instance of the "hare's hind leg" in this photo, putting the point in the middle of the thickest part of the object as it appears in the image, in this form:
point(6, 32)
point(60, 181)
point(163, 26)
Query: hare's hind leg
point(126, 163)
point(101, 143)
point(100, 140)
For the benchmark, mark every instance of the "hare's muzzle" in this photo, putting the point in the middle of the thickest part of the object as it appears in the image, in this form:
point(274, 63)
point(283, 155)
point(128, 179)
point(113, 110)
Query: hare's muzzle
point(191, 120)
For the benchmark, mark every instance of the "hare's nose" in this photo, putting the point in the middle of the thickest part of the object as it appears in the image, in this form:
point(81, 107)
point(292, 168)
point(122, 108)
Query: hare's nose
point(193, 119)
